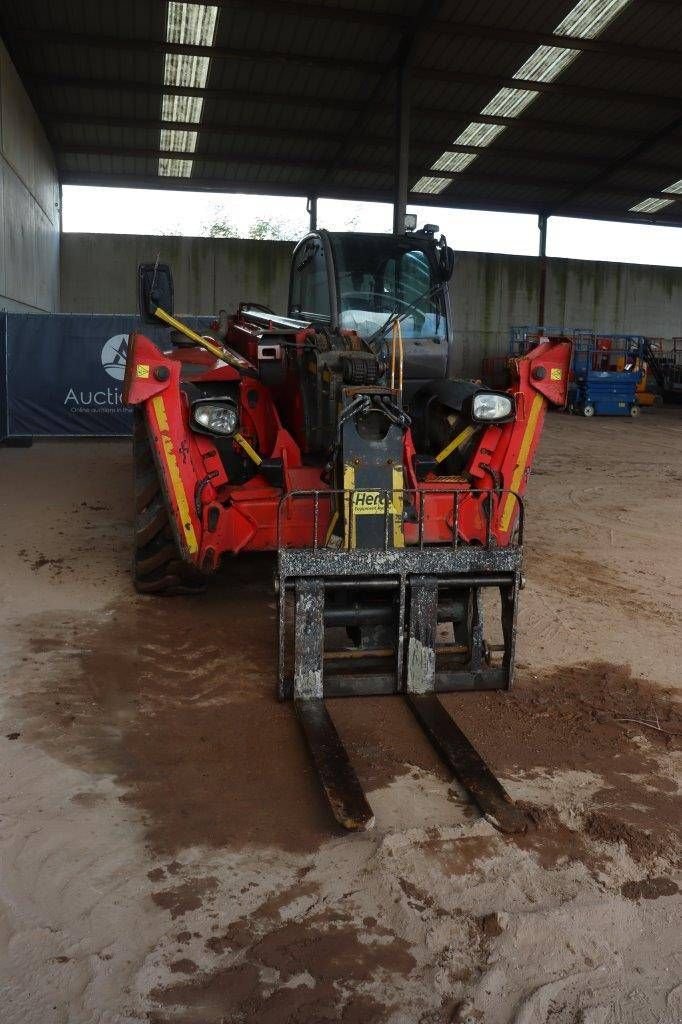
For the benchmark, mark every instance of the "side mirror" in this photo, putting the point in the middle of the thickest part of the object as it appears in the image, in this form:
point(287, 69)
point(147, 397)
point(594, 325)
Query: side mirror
point(154, 290)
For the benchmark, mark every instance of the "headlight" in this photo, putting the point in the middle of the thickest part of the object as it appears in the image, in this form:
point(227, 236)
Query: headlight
point(487, 406)
point(216, 417)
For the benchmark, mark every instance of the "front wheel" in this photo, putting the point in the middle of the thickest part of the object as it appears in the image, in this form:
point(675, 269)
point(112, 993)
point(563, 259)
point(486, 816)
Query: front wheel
point(588, 411)
point(158, 566)
point(634, 410)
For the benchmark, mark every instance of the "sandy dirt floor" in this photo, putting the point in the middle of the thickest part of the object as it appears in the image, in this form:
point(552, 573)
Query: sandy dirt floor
point(166, 855)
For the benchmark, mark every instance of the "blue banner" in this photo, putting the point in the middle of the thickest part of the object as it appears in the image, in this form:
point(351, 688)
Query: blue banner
point(61, 375)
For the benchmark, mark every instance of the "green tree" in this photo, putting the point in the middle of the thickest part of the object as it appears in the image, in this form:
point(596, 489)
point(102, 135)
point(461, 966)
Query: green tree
point(222, 228)
point(263, 228)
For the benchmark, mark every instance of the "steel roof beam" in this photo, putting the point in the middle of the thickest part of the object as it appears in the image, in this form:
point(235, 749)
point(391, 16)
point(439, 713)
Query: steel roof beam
point(367, 67)
point(256, 131)
point(130, 44)
point(449, 115)
point(317, 11)
point(454, 29)
point(557, 87)
point(402, 65)
point(476, 177)
point(596, 182)
point(154, 152)
point(601, 46)
point(159, 89)
point(316, 135)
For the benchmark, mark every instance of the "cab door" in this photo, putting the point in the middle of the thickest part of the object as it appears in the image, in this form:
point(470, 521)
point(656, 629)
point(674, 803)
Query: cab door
point(309, 284)
point(409, 276)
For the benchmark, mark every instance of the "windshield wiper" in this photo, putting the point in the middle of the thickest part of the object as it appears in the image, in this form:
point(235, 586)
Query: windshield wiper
point(411, 306)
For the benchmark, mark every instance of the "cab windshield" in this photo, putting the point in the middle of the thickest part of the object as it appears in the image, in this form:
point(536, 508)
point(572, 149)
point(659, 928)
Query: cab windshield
point(377, 278)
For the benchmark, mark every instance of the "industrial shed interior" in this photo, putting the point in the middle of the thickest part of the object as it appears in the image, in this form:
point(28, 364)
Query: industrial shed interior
point(431, 775)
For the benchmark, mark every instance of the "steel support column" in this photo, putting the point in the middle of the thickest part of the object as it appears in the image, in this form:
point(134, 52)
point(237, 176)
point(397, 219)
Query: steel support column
point(311, 207)
point(542, 255)
point(401, 170)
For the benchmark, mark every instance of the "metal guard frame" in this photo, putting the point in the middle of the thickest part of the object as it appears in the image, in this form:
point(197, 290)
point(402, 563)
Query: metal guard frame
point(417, 571)
point(459, 496)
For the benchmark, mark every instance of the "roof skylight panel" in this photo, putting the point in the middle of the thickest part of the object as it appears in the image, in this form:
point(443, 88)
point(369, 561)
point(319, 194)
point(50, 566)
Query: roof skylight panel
point(189, 24)
point(586, 20)
point(179, 140)
point(651, 205)
point(453, 161)
point(509, 103)
point(590, 17)
point(181, 108)
point(478, 134)
point(175, 168)
point(546, 63)
point(432, 186)
point(186, 71)
point(654, 204)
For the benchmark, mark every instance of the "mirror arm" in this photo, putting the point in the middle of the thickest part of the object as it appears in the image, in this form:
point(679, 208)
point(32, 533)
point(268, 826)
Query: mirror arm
point(215, 350)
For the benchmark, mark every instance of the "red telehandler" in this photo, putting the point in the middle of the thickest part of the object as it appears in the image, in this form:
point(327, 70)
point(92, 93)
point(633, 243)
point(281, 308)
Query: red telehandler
point(391, 493)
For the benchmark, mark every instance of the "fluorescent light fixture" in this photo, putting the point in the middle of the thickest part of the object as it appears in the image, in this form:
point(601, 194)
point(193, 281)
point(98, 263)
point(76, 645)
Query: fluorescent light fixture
point(586, 20)
point(651, 205)
point(676, 187)
point(193, 24)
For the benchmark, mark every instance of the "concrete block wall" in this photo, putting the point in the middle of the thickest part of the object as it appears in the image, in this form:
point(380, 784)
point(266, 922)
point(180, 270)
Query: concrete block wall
point(489, 292)
point(625, 298)
point(29, 202)
point(99, 272)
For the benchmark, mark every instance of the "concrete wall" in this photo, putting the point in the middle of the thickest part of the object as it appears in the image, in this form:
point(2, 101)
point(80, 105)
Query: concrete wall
point(489, 292)
point(29, 202)
point(99, 272)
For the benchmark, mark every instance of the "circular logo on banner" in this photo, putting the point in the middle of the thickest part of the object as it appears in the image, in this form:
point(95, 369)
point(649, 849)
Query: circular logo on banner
point(114, 354)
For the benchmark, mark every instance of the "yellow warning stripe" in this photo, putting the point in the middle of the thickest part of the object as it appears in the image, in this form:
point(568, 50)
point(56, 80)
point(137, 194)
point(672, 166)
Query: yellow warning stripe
point(455, 443)
point(397, 496)
point(168, 453)
point(528, 435)
point(349, 526)
point(330, 529)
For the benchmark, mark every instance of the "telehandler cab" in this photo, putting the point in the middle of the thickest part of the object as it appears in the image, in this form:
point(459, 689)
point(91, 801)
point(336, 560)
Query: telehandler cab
point(392, 493)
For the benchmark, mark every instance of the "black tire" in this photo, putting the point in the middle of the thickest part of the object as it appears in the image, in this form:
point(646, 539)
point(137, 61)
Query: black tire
point(158, 566)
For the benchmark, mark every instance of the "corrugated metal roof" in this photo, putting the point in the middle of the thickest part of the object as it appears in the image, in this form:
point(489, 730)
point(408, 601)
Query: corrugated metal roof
point(300, 99)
